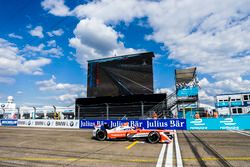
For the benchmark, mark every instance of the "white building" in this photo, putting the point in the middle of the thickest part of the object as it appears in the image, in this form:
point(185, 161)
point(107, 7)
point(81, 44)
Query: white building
point(47, 112)
point(235, 103)
point(8, 109)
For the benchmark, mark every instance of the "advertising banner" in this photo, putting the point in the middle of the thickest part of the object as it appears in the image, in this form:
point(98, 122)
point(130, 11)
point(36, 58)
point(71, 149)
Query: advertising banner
point(172, 124)
point(234, 123)
point(8, 122)
point(48, 123)
point(188, 91)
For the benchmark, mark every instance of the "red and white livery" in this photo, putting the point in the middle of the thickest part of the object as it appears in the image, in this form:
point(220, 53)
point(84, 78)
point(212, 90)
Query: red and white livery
point(103, 132)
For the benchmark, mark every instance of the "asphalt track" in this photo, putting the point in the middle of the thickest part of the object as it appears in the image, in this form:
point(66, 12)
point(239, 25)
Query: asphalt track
point(64, 147)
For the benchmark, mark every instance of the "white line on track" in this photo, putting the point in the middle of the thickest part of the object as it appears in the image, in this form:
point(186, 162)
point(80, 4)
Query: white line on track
point(169, 157)
point(247, 132)
point(236, 131)
point(178, 152)
point(160, 159)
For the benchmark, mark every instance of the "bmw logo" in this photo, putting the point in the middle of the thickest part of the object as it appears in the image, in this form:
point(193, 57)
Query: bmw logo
point(29, 123)
point(71, 123)
point(48, 123)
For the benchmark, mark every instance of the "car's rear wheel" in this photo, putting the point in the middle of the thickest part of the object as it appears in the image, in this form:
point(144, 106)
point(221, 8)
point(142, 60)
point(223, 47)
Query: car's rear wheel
point(101, 135)
point(154, 137)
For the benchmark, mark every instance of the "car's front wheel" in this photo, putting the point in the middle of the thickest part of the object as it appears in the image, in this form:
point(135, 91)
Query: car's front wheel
point(101, 135)
point(154, 137)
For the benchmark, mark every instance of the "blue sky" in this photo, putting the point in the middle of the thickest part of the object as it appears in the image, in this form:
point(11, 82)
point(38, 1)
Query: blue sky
point(44, 45)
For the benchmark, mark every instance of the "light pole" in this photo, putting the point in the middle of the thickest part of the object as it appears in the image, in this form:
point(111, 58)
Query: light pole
point(229, 106)
point(107, 110)
point(34, 116)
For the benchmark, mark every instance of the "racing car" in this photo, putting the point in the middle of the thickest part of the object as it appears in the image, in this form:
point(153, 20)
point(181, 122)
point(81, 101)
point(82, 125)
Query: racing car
point(103, 132)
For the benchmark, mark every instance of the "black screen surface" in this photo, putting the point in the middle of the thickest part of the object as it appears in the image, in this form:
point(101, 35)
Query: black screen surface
point(121, 75)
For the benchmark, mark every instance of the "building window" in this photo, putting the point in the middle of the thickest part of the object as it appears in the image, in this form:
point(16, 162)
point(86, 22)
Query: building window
point(234, 111)
point(245, 97)
point(232, 99)
point(238, 100)
point(239, 110)
point(220, 100)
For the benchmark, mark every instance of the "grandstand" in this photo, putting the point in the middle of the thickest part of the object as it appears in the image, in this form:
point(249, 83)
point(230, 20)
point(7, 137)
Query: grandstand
point(133, 106)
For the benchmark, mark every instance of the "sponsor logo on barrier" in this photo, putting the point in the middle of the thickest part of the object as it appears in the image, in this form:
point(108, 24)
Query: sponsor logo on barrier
point(198, 124)
point(61, 123)
point(39, 123)
point(21, 122)
point(49, 123)
point(228, 124)
point(179, 124)
point(9, 122)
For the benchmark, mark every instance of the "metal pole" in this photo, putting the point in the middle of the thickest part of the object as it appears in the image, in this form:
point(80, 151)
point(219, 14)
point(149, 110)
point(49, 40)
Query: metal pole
point(142, 109)
point(78, 110)
point(18, 113)
point(75, 112)
point(229, 106)
point(166, 107)
point(54, 111)
point(34, 116)
point(184, 112)
point(107, 110)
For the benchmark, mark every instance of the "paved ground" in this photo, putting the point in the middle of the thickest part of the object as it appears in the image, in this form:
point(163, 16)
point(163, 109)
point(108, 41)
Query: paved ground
point(62, 147)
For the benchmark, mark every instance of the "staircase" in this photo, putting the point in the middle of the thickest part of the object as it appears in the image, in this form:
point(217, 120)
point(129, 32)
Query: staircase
point(165, 107)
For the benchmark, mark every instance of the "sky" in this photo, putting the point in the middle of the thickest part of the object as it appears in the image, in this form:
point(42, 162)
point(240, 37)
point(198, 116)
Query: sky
point(45, 45)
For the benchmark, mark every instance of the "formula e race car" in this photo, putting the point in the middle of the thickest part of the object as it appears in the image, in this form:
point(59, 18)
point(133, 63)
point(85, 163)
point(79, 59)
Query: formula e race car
point(103, 132)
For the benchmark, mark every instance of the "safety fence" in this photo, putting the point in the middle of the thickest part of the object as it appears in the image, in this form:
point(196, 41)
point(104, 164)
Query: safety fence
point(229, 123)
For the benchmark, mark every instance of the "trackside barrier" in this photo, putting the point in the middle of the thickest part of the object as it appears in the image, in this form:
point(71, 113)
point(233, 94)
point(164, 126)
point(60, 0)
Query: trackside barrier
point(172, 124)
point(234, 123)
point(47, 123)
point(8, 122)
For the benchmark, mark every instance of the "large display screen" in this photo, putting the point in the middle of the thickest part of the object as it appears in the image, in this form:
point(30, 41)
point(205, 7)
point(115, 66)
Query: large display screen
point(121, 75)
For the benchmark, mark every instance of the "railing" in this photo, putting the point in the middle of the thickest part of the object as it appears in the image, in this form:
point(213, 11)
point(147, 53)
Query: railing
point(165, 107)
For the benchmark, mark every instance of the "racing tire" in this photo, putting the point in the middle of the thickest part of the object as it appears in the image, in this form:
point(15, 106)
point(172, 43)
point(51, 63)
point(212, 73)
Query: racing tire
point(101, 135)
point(154, 137)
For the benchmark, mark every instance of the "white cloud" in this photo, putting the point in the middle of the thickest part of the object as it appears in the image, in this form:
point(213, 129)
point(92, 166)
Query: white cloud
point(66, 92)
point(7, 80)
point(164, 90)
point(112, 10)
point(52, 43)
point(37, 31)
point(213, 37)
point(58, 32)
point(13, 35)
point(19, 92)
point(41, 50)
point(207, 35)
point(232, 85)
point(67, 98)
point(55, 7)
point(11, 63)
point(93, 39)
